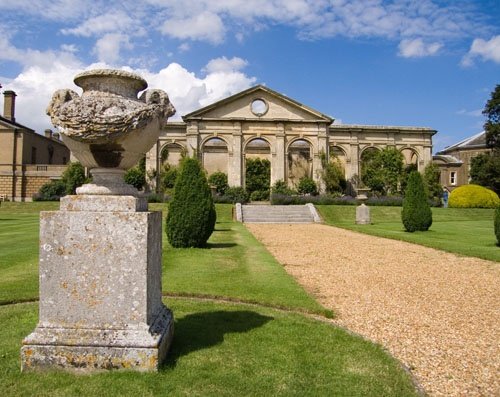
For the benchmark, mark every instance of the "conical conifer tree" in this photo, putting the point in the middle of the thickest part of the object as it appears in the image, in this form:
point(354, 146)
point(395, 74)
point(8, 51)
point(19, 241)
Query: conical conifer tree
point(191, 213)
point(416, 214)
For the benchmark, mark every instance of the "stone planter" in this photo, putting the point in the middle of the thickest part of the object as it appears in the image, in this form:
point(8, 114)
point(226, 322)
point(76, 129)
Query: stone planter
point(108, 129)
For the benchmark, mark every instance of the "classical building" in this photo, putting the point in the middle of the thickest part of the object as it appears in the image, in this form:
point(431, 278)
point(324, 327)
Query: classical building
point(260, 122)
point(27, 159)
point(455, 160)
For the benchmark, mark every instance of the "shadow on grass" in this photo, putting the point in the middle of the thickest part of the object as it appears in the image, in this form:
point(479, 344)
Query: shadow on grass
point(204, 330)
point(220, 245)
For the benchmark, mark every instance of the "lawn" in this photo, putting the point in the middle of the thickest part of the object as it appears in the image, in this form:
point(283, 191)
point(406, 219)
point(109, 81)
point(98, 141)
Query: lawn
point(219, 348)
point(466, 232)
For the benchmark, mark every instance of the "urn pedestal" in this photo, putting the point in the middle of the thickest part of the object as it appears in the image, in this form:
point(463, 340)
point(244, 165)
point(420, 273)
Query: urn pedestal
point(100, 288)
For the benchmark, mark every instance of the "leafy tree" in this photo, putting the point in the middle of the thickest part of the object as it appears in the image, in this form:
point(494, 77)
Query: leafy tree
point(333, 175)
point(407, 170)
point(416, 213)
point(219, 180)
point(257, 174)
point(51, 191)
point(168, 176)
point(492, 125)
point(307, 186)
point(136, 176)
point(432, 181)
point(382, 171)
point(485, 171)
point(73, 177)
point(191, 214)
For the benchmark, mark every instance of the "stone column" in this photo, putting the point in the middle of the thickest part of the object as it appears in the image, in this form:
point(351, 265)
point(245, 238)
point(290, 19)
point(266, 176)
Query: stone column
point(322, 148)
point(152, 167)
point(192, 135)
point(235, 171)
point(279, 156)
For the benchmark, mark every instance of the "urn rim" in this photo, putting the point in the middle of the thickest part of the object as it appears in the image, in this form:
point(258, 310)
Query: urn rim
point(139, 83)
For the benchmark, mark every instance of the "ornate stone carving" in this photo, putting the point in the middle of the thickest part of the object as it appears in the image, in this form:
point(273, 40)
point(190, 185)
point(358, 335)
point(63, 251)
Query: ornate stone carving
point(108, 127)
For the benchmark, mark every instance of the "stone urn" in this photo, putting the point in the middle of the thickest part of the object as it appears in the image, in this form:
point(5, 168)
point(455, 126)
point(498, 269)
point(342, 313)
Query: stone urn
point(108, 128)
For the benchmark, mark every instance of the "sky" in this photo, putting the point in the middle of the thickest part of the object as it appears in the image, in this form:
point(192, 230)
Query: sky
point(424, 63)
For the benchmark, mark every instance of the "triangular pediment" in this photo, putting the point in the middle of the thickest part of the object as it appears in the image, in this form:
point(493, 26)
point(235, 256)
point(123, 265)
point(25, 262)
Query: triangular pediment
point(258, 103)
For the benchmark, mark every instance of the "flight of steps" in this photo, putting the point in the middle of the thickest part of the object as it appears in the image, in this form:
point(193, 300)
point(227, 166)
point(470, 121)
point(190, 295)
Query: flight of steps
point(277, 214)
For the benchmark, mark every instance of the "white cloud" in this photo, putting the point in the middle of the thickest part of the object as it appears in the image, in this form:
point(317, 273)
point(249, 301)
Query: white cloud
point(108, 47)
point(206, 26)
point(115, 21)
point(225, 65)
point(472, 113)
point(416, 48)
point(184, 47)
point(487, 50)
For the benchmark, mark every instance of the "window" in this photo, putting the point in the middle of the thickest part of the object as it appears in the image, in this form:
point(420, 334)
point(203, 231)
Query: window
point(259, 107)
point(33, 155)
point(453, 178)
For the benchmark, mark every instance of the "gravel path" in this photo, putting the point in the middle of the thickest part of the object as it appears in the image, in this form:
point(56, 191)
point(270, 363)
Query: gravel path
point(438, 313)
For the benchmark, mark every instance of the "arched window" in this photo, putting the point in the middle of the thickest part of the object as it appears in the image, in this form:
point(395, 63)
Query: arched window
point(171, 153)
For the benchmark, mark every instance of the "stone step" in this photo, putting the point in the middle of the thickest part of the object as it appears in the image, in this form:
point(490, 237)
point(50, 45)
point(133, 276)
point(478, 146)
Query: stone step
point(276, 214)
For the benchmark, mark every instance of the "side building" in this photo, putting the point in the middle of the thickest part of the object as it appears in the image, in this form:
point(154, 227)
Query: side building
point(455, 160)
point(260, 122)
point(27, 159)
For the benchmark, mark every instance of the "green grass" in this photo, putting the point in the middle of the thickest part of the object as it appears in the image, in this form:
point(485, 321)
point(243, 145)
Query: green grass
point(462, 231)
point(222, 350)
point(219, 349)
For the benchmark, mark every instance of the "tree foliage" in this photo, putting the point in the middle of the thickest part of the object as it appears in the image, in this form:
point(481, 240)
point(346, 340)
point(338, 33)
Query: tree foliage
point(73, 177)
point(257, 174)
point(333, 175)
point(307, 186)
point(381, 171)
point(191, 215)
point(416, 214)
point(492, 125)
point(219, 180)
point(136, 176)
point(432, 181)
point(51, 191)
point(485, 171)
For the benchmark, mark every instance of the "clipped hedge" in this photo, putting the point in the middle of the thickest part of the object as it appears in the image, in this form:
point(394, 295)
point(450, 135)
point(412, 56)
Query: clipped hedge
point(191, 214)
point(473, 196)
point(497, 225)
point(416, 214)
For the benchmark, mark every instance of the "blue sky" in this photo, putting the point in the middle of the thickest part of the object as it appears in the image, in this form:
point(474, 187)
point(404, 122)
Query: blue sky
point(401, 62)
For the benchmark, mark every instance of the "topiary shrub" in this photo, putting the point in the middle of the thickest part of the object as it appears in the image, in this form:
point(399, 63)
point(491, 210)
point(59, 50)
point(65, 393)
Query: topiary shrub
point(191, 214)
point(307, 186)
point(497, 225)
point(168, 177)
point(473, 196)
point(416, 213)
point(219, 180)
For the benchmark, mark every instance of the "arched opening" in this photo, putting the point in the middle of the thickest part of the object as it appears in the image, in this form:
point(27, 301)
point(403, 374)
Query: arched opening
point(215, 156)
point(338, 155)
point(257, 166)
point(410, 156)
point(171, 154)
point(299, 161)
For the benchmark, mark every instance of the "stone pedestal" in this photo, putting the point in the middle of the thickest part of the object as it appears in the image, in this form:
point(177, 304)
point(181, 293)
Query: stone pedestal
point(363, 215)
point(100, 288)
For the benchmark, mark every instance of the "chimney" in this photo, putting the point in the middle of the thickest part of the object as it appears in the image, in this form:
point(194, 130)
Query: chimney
point(48, 133)
point(9, 105)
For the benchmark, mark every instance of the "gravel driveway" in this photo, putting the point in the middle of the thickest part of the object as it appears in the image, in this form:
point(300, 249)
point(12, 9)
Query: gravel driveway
point(436, 312)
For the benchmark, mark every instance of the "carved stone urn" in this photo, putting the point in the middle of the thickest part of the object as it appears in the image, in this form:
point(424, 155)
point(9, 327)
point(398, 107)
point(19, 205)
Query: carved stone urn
point(108, 129)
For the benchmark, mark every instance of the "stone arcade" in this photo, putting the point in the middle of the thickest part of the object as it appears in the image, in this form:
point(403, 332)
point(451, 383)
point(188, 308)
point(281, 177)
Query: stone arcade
point(260, 122)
